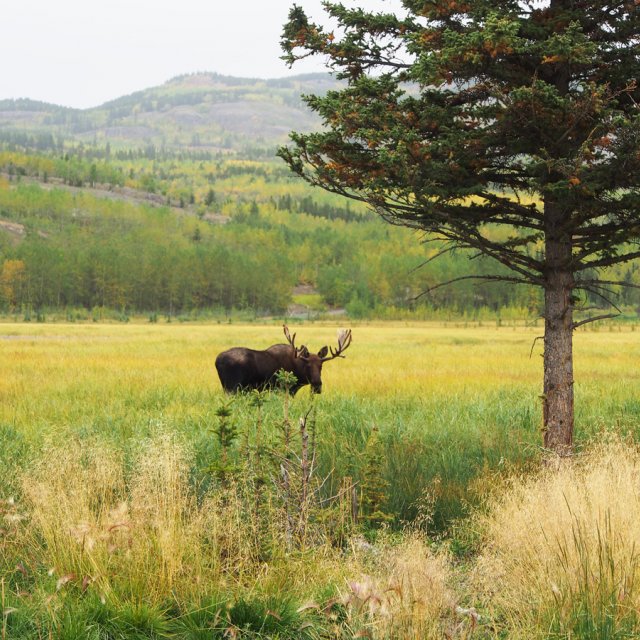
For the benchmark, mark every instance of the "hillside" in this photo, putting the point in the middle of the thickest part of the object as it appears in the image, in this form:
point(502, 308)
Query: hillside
point(171, 200)
point(263, 245)
point(196, 112)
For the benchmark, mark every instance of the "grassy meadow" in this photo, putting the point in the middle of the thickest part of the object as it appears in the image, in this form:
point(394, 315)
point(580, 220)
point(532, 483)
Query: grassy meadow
point(138, 501)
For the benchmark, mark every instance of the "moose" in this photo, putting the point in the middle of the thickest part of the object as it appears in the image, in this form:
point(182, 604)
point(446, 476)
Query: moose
point(243, 369)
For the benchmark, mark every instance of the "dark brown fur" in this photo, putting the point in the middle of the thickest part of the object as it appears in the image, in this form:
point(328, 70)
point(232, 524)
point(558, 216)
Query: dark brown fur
point(242, 369)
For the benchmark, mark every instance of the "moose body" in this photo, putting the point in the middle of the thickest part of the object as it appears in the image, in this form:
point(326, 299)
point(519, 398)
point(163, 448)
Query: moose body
point(243, 369)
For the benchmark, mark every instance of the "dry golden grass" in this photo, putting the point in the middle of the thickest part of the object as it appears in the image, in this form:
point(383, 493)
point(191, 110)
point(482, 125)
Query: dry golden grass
point(142, 534)
point(406, 594)
point(562, 548)
point(72, 497)
point(138, 529)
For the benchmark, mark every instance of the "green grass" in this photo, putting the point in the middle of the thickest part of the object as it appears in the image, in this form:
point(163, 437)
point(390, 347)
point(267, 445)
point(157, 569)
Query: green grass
point(464, 402)
point(457, 411)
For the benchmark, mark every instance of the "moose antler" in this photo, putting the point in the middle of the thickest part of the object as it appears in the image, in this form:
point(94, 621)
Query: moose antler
point(300, 351)
point(287, 335)
point(344, 340)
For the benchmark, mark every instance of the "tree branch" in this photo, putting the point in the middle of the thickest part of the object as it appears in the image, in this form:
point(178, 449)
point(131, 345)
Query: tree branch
point(619, 283)
point(590, 289)
point(472, 277)
point(439, 254)
point(534, 344)
point(608, 261)
point(605, 316)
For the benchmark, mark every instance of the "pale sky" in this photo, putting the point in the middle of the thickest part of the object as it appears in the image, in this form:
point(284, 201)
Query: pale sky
point(81, 53)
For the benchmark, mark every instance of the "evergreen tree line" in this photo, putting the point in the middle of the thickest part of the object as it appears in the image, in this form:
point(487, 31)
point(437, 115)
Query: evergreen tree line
point(66, 249)
point(43, 144)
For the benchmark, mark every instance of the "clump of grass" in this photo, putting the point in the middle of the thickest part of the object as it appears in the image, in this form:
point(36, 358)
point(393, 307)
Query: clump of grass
point(117, 533)
point(167, 527)
point(73, 495)
point(120, 535)
point(406, 593)
point(119, 528)
point(561, 549)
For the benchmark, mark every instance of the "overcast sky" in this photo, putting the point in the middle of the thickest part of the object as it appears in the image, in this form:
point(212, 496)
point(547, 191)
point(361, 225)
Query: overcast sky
point(81, 53)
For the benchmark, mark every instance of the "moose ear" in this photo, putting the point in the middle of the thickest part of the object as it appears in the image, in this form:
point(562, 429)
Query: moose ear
point(323, 352)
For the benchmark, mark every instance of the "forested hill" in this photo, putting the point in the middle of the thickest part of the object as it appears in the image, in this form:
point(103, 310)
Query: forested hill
point(196, 112)
point(171, 200)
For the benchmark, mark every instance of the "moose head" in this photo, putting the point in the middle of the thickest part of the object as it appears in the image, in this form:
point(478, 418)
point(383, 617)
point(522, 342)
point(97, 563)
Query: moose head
point(308, 366)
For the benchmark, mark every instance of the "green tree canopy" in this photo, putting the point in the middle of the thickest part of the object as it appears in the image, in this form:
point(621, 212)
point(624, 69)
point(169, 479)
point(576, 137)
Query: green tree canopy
point(510, 128)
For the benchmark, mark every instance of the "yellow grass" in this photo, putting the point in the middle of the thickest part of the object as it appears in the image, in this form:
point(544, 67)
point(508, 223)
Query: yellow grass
point(408, 593)
point(68, 375)
point(384, 358)
point(140, 532)
point(561, 552)
point(97, 531)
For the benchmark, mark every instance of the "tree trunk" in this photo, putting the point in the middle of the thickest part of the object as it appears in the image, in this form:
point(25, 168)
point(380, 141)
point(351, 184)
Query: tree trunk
point(558, 338)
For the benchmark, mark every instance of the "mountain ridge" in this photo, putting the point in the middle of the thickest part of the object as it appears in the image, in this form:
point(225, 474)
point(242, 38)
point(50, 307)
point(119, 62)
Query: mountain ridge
point(196, 111)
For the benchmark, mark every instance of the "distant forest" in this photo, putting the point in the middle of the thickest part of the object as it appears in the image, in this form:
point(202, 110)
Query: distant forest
point(107, 227)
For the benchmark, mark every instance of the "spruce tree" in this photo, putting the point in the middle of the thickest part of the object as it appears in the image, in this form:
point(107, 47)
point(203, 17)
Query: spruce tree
point(509, 128)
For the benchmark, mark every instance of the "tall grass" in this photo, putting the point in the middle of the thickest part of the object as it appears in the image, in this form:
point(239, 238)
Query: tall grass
point(142, 527)
point(562, 557)
point(406, 594)
point(131, 538)
point(113, 519)
point(120, 535)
